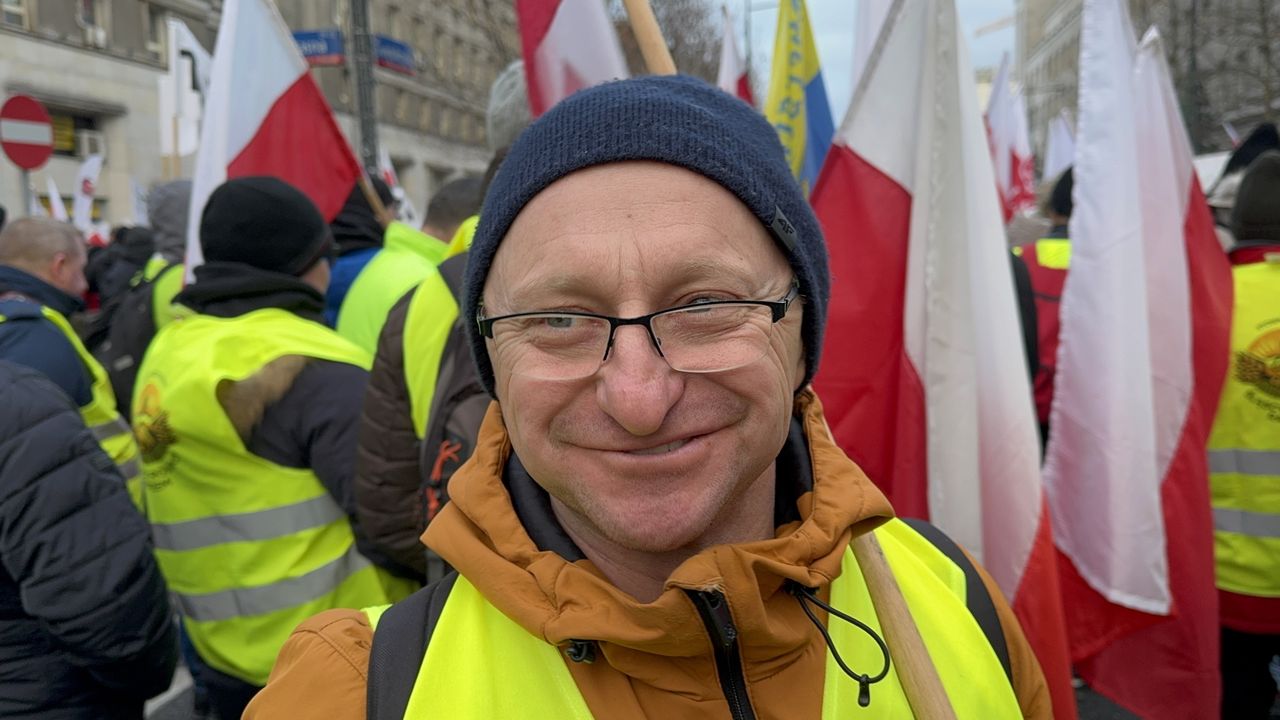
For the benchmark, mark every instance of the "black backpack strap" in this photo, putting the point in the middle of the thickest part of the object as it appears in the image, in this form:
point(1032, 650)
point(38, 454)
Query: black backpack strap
point(399, 646)
point(977, 598)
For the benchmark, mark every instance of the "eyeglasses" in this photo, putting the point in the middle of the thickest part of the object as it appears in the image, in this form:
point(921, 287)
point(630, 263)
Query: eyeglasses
point(704, 337)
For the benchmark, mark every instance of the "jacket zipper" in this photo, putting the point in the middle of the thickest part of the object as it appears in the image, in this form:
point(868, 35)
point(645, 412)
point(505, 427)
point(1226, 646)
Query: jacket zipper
point(724, 640)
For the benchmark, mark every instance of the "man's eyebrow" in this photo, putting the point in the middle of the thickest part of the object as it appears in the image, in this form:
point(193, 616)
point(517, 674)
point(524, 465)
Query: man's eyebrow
point(588, 285)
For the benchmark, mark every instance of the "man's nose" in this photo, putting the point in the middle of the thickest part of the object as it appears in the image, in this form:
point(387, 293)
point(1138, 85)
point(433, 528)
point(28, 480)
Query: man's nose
point(636, 386)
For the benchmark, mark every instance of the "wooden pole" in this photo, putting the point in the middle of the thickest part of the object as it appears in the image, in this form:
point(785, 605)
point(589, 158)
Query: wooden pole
point(375, 202)
point(916, 672)
point(652, 45)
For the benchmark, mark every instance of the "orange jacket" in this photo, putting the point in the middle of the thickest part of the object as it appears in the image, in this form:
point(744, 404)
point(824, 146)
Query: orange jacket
point(658, 659)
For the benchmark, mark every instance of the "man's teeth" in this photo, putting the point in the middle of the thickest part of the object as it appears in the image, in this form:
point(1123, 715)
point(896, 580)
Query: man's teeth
point(669, 447)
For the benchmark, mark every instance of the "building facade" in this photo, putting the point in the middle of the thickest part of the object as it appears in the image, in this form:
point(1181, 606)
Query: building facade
point(1224, 56)
point(97, 64)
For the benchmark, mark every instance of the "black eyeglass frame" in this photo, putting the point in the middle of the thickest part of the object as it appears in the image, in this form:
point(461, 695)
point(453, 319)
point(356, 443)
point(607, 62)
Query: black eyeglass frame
point(778, 308)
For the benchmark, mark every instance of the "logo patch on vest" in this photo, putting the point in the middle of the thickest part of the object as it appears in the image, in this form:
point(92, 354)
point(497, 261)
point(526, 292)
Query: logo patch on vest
point(1259, 367)
point(151, 425)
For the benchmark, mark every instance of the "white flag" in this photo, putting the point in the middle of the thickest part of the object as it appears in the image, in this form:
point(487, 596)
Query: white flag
point(86, 189)
point(56, 206)
point(1060, 148)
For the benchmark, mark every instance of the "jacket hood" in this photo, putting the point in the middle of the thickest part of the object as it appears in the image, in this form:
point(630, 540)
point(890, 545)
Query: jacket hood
point(168, 205)
point(356, 227)
point(228, 289)
point(499, 532)
point(13, 280)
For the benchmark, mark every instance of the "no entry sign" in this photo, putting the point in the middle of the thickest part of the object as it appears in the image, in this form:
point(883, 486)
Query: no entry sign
point(26, 133)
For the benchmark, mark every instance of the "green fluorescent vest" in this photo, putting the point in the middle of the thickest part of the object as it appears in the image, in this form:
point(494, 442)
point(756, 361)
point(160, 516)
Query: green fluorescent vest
point(111, 431)
point(480, 664)
point(407, 257)
point(250, 548)
point(432, 312)
point(1244, 447)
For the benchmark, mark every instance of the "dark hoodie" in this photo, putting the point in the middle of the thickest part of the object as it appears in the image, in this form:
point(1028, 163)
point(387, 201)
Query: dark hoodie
point(27, 338)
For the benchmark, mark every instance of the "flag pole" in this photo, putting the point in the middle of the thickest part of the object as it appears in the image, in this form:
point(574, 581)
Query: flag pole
point(916, 672)
point(375, 202)
point(652, 45)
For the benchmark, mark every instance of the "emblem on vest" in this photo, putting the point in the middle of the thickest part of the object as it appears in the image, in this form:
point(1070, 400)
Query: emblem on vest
point(151, 425)
point(1259, 367)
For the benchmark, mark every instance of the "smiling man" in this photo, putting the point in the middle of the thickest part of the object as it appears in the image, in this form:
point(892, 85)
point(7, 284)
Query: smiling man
point(655, 522)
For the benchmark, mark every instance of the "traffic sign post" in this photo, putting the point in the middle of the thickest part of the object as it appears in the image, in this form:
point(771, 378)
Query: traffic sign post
point(26, 135)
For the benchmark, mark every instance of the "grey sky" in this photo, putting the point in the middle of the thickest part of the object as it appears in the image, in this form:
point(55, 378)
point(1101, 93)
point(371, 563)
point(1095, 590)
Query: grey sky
point(833, 32)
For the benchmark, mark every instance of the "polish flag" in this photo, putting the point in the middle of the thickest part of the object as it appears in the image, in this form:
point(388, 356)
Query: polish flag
point(1011, 145)
point(923, 372)
point(1143, 353)
point(866, 27)
point(733, 77)
point(568, 45)
point(265, 115)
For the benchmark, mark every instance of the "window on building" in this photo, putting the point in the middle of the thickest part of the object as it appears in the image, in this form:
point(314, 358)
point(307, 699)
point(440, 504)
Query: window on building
point(154, 19)
point(69, 130)
point(14, 12)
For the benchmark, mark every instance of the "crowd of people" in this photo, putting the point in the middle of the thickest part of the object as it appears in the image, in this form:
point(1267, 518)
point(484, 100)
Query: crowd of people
point(554, 453)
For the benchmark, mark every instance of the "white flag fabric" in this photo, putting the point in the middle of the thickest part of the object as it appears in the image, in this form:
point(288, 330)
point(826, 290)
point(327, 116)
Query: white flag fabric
point(1010, 145)
point(733, 77)
point(1145, 320)
point(568, 45)
point(56, 206)
point(924, 377)
point(182, 89)
point(869, 19)
point(138, 197)
point(1060, 147)
point(85, 190)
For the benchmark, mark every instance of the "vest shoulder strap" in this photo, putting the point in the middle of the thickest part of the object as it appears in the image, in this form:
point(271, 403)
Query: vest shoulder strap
point(399, 645)
point(453, 271)
point(977, 598)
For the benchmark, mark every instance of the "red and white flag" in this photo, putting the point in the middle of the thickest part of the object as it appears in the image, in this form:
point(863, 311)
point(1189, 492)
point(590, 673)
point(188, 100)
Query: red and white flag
point(1142, 357)
point(568, 45)
point(924, 374)
point(265, 115)
point(733, 77)
point(1011, 145)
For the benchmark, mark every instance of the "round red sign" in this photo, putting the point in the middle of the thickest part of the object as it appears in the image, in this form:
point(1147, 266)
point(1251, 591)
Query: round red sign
point(26, 132)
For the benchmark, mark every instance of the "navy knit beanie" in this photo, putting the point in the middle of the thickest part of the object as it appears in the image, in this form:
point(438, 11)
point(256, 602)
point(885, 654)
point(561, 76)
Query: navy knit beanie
point(676, 120)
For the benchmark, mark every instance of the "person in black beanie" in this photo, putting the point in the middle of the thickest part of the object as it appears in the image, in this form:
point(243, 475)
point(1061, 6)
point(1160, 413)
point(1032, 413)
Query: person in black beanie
point(250, 406)
point(358, 235)
point(1242, 449)
point(655, 502)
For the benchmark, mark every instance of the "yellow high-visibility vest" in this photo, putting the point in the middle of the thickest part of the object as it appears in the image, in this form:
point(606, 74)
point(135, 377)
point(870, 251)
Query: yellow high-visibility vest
point(407, 257)
point(481, 664)
point(1244, 447)
point(250, 548)
point(100, 415)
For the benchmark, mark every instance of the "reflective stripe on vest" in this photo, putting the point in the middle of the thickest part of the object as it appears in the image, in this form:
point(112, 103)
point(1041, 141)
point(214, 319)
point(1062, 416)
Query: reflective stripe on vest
point(428, 320)
point(406, 258)
point(100, 415)
point(250, 548)
point(1244, 447)
point(481, 664)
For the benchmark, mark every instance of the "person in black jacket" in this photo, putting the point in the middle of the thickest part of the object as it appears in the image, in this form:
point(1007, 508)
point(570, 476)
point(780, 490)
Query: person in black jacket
point(85, 625)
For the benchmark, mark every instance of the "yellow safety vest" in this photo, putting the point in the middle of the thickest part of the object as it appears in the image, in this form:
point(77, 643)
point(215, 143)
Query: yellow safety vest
point(481, 664)
point(1244, 447)
point(431, 314)
point(462, 237)
point(406, 257)
point(250, 548)
point(100, 415)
